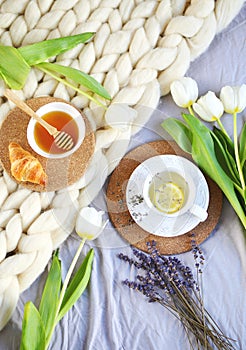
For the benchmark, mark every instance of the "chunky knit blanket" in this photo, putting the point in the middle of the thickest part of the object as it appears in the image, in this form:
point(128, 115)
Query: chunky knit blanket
point(139, 48)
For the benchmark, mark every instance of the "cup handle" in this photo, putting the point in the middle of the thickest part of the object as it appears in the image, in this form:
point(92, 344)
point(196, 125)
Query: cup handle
point(199, 212)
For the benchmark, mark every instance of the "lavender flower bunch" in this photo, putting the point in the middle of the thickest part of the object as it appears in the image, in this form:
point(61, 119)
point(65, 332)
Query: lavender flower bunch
point(168, 281)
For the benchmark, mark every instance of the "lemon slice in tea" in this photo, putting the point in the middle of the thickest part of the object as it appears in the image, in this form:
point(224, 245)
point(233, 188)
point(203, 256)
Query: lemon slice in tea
point(168, 198)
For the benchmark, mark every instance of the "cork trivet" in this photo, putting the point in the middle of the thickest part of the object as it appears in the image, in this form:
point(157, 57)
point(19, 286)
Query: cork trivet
point(126, 226)
point(61, 172)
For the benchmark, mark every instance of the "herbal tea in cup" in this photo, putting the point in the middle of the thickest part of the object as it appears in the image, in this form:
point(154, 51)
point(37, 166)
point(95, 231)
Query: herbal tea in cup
point(172, 192)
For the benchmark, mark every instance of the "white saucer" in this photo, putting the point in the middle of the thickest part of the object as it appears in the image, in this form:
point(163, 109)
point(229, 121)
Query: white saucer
point(149, 219)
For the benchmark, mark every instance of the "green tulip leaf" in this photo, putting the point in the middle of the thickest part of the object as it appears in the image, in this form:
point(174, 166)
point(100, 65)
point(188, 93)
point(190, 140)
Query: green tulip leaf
point(179, 132)
point(13, 67)
point(242, 146)
point(33, 334)
point(77, 284)
point(39, 52)
point(50, 296)
point(77, 76)
point(224, 156)
point(203, 153)
point(225, 139)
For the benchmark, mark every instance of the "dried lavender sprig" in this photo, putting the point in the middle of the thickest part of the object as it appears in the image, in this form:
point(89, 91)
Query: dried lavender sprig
point(169, 268)
point(203, 325)
point(199, 260)
point(172, 284)
point(187, 321)
point(209, 324)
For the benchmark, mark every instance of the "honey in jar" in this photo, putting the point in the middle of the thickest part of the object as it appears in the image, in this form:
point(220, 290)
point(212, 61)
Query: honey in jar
point(60, 120)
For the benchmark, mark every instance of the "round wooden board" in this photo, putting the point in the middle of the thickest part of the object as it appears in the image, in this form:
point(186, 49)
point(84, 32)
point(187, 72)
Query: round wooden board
point(61, 172)
point(126, 226)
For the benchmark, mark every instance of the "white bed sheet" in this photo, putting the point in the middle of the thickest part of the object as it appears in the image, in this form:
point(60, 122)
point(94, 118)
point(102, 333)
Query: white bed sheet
point(109, 316)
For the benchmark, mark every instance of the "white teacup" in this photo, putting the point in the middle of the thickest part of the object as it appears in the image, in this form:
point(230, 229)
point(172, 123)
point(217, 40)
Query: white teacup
point(181, 174)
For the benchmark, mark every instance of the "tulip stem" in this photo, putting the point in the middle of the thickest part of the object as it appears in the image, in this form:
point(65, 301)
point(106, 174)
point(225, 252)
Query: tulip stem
point(63, 290)
point(222, 127)
point(190, 109)
point(236, 150)
point(70, 271)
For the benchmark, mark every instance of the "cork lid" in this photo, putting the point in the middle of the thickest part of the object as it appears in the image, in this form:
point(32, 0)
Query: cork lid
point(61, 172)
point(127, 227)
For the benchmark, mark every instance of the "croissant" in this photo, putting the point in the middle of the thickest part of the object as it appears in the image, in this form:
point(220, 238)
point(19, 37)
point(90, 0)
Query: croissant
point(24, 166)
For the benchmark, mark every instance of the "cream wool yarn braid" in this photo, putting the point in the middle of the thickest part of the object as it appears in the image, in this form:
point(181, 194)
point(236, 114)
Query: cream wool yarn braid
point(139, 48)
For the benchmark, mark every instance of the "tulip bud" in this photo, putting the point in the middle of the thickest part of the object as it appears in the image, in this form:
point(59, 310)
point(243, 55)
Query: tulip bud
point(233, 98)
point(89, 223)
point(184, 91)
point(209, 107)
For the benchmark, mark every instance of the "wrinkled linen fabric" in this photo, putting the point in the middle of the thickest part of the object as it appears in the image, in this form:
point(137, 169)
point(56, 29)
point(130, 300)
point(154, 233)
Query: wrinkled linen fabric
point(109, 316)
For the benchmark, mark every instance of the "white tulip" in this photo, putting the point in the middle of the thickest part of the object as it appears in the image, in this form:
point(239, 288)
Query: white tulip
point(184, 91)
point(89, 223)
point(233, 98)
point(209, 107)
